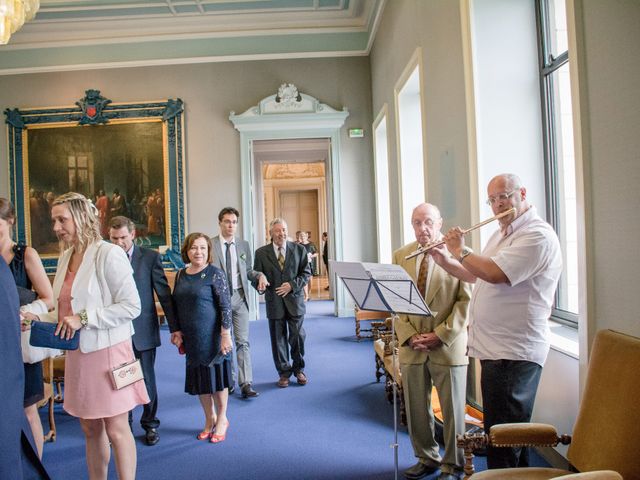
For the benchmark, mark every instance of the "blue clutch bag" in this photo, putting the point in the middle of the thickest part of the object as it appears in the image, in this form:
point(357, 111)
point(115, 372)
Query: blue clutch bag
point(42, 335)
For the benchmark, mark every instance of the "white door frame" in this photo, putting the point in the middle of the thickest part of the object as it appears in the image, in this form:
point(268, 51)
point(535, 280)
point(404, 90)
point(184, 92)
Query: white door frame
point(292, 115)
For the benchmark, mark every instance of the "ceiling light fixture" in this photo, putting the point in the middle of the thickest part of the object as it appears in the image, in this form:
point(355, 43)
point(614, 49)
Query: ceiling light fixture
point(13, 14)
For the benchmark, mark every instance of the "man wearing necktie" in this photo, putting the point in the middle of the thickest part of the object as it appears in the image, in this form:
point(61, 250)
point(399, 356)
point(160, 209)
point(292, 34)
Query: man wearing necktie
point(432, 351)
point(149, 277)
point(233, 255)
point(286, 270)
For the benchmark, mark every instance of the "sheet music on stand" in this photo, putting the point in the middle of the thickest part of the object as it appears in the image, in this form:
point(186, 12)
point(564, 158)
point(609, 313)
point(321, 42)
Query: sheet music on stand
point(384, 288)
point(381, 287)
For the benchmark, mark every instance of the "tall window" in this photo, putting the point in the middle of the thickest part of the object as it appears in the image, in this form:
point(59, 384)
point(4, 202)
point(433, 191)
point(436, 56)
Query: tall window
point(383, 209)
point(559, 153)
point(410, 143)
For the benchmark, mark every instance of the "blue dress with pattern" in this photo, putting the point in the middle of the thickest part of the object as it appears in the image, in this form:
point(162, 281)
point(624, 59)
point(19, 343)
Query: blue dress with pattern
point(203, 307)
point(33, 379)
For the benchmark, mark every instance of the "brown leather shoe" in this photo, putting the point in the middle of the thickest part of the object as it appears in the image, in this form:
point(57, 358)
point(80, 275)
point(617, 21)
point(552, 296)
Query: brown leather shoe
point(247, 391)
point(302, 378)
point(283, 382)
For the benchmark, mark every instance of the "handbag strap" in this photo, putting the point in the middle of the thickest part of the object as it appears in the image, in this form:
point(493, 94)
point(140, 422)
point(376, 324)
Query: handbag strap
point(100, 278)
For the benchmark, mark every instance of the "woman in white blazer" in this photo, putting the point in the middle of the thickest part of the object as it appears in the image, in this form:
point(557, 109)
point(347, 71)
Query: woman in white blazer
point(96, 298)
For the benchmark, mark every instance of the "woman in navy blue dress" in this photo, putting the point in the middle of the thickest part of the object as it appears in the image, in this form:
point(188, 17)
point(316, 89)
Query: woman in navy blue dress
point(28, 273)
point(202, 328)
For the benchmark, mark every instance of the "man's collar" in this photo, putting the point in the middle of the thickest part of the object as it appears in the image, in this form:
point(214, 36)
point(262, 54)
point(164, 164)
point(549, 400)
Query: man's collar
point(224, 240)
point(518, 221)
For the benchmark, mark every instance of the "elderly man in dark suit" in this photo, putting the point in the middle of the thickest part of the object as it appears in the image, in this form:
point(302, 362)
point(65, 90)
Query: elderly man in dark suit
point(149, 277)
point(286, 270)
point(18, 457)
point(233, 255)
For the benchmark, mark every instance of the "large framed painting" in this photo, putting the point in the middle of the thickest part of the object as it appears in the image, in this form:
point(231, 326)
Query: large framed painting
point(127, 158)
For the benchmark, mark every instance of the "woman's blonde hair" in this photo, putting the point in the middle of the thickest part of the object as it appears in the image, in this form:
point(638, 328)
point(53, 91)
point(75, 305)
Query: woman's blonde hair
point(85, 219)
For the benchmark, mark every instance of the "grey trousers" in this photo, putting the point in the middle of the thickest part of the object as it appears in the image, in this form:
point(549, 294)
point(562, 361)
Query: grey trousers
point(287, 333)
point(240, 315)
point(450, 383)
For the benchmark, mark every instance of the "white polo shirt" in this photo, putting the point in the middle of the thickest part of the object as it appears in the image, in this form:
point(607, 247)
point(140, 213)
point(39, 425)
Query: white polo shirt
point(510, 320)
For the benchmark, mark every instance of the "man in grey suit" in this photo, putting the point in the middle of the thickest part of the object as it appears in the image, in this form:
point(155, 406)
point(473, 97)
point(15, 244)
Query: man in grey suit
point(149, 277)
point(286, 270)
point(233, 255)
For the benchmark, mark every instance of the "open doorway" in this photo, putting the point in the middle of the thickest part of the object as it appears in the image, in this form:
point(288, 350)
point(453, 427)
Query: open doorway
point(279, 118)
point(293, 186)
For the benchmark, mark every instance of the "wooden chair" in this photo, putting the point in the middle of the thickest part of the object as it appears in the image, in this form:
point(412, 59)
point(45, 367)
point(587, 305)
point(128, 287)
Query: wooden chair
point(53, 376)
point(605, 437)
point(384, 348)
point(369, 316)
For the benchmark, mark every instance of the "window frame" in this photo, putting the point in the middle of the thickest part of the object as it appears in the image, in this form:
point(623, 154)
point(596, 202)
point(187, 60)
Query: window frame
point(549, 64)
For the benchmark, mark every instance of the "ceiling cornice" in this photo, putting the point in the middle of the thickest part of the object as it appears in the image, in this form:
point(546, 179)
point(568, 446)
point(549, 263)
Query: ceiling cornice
point(73, 43)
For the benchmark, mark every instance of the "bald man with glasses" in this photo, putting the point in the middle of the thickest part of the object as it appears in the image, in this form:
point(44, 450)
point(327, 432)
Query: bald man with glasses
point(433, 351)
point(516, 277)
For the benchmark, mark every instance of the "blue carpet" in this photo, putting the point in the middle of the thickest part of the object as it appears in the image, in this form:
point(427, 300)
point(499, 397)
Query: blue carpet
point(339, 426)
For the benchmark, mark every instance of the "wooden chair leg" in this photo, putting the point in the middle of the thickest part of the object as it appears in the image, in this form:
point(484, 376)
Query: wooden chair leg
point(58, 391)
point(379, 367)
point(51, 436)
point(403, 408)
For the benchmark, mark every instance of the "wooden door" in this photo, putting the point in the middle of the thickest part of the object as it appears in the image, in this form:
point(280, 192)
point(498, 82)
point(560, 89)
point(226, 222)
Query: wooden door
point(299, 208)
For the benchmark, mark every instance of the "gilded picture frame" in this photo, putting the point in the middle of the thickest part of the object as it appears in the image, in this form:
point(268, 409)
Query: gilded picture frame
point(126, 157)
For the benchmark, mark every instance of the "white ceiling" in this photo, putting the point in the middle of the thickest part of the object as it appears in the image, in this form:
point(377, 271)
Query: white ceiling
point(80, 34)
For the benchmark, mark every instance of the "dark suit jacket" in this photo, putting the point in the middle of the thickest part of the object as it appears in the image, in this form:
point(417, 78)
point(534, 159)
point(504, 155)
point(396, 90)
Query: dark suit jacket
point(149, 277)
point(18, 458)
point(296, 271)
point(247, 274)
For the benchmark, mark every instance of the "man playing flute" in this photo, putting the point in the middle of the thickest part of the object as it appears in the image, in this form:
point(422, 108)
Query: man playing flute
point(516, 278)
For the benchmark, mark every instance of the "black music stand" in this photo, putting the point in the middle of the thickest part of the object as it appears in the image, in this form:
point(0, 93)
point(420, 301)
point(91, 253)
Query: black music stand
point(383, 288)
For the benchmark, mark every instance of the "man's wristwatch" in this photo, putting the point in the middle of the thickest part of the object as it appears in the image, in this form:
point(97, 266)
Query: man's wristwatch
point(466, 251)
point(84, 318)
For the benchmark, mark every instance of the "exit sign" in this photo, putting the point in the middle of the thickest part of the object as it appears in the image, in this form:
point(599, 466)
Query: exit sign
point(356, 133)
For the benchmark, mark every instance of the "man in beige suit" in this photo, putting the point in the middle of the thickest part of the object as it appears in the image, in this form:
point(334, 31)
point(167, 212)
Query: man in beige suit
point(432, 351)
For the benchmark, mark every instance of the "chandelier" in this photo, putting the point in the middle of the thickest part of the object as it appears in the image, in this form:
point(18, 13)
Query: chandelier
point(13, 14)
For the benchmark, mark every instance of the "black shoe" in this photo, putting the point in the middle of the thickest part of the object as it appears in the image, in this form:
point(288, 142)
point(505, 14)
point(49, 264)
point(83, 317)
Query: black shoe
point(151, 437)
point(248, 392)
point(232, 389)
point(419, 470)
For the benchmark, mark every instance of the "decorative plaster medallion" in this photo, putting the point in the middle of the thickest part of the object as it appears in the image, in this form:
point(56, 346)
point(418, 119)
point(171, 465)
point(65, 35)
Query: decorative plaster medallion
point(288, 95)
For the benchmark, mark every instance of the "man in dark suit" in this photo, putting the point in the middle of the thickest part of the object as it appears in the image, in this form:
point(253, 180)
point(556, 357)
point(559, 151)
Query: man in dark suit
point(286, 270)
point(233, 255)
point(325, 256)
point(149, 277)
point(18, 457)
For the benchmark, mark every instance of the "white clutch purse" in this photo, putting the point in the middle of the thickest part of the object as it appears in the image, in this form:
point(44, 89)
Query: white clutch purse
point(126, 374)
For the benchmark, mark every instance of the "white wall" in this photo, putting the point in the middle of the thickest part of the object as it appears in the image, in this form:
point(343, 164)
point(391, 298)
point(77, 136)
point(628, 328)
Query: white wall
point(507, 98)
point(210, 93)
point(608, 151)
point(433, 25)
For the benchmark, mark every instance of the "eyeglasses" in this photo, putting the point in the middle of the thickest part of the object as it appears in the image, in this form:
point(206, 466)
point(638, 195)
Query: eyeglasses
point(501, 197)
point(427, 223)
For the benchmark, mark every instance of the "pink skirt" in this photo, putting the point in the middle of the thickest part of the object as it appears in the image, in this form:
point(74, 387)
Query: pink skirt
point(88, 390)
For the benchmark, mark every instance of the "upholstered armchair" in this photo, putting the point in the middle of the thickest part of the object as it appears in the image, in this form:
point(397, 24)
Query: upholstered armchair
point(606, 434)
